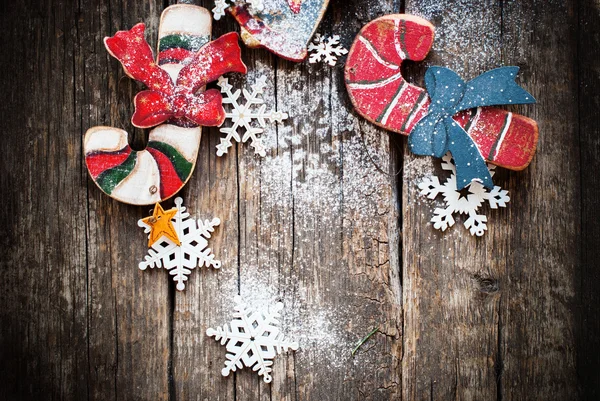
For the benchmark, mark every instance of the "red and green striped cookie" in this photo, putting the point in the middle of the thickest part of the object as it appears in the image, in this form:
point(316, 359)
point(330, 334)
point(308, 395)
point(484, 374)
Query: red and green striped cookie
point(145, 177)
point(381, 95)
point(162, 169)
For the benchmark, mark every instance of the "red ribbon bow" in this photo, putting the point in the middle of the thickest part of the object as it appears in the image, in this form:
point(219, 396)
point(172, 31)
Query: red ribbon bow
point(165, 100)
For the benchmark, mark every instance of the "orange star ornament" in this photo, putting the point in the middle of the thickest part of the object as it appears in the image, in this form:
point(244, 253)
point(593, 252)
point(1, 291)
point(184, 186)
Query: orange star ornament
point(160, 224)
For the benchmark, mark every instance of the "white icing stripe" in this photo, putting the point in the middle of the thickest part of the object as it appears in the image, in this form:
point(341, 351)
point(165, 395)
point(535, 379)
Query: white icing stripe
point(173, 70)
point(371, 49)
point(475, 120)
point(503, 134)
point(416, 111)
point(392, 105)
point(104, 139)
point(135, 189)
point(185, 140)
point(396, 42)
point(357, 85)
point(185, 19)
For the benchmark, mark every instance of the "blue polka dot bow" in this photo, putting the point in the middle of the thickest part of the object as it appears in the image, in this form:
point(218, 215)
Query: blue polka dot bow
point(437, 132)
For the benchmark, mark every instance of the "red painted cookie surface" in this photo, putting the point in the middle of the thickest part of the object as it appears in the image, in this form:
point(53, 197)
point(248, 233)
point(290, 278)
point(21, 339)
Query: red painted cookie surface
point(381, 95)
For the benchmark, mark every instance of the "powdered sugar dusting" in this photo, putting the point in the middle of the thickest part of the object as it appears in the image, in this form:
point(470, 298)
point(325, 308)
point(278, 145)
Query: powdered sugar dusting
point(457, 33)
point(318, 188)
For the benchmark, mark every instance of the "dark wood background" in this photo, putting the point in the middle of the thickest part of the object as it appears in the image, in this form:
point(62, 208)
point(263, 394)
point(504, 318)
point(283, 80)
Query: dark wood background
point(510, 316)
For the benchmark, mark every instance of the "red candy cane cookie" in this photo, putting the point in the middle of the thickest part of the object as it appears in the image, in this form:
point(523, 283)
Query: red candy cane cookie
point(381, 95)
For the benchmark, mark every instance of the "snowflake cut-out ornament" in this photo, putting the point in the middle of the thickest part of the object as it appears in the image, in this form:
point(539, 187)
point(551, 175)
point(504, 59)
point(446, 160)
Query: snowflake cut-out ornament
point(253, 339)
point(242, 115)
point(455, 202)
point(325, 49)
point(180, 260)
point(222, 5)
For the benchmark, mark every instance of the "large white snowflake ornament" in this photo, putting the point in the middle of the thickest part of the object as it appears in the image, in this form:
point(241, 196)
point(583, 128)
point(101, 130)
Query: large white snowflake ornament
point(253, 339)
point(180, 260)
point(325, 49)
point(242, 115)
point(222, 5)
point(457, 203)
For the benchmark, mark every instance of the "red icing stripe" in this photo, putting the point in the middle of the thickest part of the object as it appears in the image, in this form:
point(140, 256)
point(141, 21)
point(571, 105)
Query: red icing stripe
point(98, 162)
point(173, 55)
point(169, 180)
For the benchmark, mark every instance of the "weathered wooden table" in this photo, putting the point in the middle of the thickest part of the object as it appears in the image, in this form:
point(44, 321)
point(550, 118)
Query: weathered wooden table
point(330, 223)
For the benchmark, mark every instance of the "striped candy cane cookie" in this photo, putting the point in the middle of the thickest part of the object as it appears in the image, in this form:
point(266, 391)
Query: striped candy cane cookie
point(159, 171)
point(381, 95)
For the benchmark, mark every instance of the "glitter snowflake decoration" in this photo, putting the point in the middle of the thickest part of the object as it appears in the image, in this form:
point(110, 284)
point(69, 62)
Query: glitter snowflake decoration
point(242, 115)
point(253, 339)
point(325, 49)
point(457, 203)
point(222, 5)
point(193, 251)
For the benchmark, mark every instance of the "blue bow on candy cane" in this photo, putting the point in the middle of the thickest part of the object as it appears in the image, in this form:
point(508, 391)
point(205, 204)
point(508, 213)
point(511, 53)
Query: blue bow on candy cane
point(437, 132)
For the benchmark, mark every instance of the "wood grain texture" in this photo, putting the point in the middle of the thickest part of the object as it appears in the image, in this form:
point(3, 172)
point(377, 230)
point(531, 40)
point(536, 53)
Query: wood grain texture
point(440, 270)
point(502, 338)
point(322, 223)
point(587, 280)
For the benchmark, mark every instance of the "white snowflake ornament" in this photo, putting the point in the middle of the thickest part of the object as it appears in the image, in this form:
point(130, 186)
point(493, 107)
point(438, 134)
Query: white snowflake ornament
point(242, 115)
point(325, 49)
point(222, 5)
point(180, 260)
point(457, 203)
point(253, 339)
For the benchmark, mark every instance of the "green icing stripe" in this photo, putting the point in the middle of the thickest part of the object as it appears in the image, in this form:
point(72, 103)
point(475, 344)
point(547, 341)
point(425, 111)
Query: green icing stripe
point(181, 165)
point(110, 178)
point(192, 43)
point(403, 38)
point(472, 115)
point(413, 111)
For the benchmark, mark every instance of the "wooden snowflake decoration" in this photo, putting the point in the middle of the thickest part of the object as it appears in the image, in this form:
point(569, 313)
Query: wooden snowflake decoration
point(252, 339)
point(192, 251)
point(244, 114)
point(326, 50)
point(455, 202)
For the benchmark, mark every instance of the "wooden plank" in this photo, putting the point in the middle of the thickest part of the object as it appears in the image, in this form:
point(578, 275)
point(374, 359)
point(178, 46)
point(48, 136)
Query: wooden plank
point(129, 309)
point(503, 342)
point(43, 318)
point(208, 298)
point(451, 326)
point(340, 278)
point(588, 281)
point(538, 323)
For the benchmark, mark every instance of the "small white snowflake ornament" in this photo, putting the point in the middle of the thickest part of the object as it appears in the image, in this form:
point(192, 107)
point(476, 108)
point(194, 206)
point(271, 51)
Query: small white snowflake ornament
point(253, 339)
point(457, 203)
point(242, 116)
point(192, 252)
point(222, 5)
point(325, 49)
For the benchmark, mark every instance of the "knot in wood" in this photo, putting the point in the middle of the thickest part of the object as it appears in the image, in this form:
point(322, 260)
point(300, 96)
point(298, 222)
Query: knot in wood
point(487, 285)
